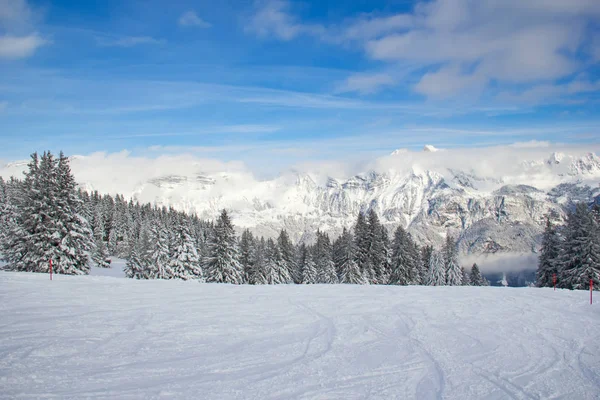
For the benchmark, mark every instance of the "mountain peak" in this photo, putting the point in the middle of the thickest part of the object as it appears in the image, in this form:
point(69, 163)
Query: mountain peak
point(429, 148)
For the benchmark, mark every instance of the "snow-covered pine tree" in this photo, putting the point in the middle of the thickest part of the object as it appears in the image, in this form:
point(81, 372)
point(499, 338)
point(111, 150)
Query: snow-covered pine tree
point(309, 272)
point(134, 267)
point(549, 255)
point(377, 251)
point(387, 256)
point(476, 278)
point(288, 255)
point(74, 232)
point(324, 260)
point(580, 259)
point(425, 260)
point(361, 240)
point(39, 216)
point(12, 235)
point(247, 253)
point(158, 255)
point(348, 270)
point(272, 271)
point(466, 278)
point(437, 271)
point(453, 272)
point(222, 263)
point(404, 260)
point(99, 251)
point(184, 261)
point(257, 263)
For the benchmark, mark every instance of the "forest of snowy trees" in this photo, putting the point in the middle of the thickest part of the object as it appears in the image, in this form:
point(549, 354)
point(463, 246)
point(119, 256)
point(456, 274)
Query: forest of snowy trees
point(45, 217)
point(571, 252)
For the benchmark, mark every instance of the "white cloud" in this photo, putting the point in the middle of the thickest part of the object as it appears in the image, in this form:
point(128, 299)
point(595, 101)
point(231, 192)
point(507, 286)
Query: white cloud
point(13, 47)
point(448, 81)
point(190, 18)
point(551, 93)
point(128, 41)
point(18, 38)
point(272, 18)
point(370, 27)
point(472, 43)
point(15, 15)
point(366, 83)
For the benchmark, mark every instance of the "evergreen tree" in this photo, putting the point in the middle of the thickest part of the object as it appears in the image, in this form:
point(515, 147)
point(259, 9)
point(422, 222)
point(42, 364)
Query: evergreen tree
point(273, 272)
point(256, 274)
point(184, 262)
point(73, 230)
point(549, 256)
point(376, 250)
point(100, 252)
point(309, 272)
point(580, 259)
point(453, 272)
point(288, 256)
point(134, 267)
point(158, 265)
point(361, 238)
point(476, 278)
point(348, 270)
point(222, 264)
point(466, 278)
point(324, 260)
point(426, 253)
point(405, 259)
point(247, 254)
point(437, 271)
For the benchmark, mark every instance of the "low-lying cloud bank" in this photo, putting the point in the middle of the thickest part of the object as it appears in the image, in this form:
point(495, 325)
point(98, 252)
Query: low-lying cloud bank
point(540, 164)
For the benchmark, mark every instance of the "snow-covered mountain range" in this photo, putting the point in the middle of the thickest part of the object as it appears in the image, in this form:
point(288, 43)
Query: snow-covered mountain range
point(494, 199)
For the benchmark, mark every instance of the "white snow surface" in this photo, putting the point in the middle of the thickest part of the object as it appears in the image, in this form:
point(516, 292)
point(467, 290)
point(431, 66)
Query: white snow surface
point(115, 270)
point(105, 338)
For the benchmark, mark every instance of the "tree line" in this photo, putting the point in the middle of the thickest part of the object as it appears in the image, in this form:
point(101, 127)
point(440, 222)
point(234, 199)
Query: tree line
point(570, 252)
point(46, 217)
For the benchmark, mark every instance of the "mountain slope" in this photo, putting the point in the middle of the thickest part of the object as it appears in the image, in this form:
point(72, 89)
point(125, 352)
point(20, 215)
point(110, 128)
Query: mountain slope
point(493, 199)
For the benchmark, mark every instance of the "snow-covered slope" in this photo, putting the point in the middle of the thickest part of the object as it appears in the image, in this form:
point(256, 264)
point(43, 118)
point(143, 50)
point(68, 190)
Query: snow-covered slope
point(493, 198)
point(107, 338)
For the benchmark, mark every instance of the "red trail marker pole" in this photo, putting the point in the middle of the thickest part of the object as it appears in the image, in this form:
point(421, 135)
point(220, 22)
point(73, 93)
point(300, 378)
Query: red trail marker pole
point(591, 289)
point(554, 280)
point(50, 269)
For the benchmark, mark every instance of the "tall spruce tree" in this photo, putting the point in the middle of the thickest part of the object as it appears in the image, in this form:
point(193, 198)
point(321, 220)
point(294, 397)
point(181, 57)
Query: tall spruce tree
point(580, 258)
point(376, 249)
point(158, 266)
point(476, 278)
point(247, 254)
point(184, 260)
point(287, 253)
point(453, 272)
point(437, 270)
point(309, 272)
point(405, 260)
point(222, 263)
point(73, 230)
point(348, 270)
point(361, 239)
point(324, 260)
point(548, 261)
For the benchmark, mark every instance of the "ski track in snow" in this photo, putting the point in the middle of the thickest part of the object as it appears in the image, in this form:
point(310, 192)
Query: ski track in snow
point(98, 337)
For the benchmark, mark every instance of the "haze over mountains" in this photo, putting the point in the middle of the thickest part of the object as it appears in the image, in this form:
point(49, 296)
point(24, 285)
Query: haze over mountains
point(494, 199)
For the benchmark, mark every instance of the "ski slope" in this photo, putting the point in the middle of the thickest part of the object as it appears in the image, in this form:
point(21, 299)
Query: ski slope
point(106, 338)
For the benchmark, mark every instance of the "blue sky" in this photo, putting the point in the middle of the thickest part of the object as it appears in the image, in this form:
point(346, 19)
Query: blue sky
point(280, 80)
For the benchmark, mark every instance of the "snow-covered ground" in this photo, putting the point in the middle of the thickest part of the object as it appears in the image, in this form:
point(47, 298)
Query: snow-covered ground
point(100, 337)
point(115, 270)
